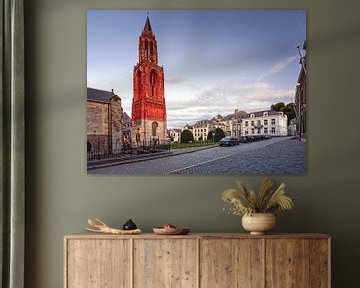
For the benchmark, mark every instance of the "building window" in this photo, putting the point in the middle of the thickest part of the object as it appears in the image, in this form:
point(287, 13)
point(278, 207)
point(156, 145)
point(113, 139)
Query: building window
point(259, 131)
point(138, 82)
point(266, 114)
point(252, 131)
point(151, 49)
point(252, 123)
point(265, 122)
point(252, 116)
point(265, 130)
point(272, 121)
point(154, 127)
point(146, 49)
point(246, 132)
point(272, 130)
point(258, 122)
point(246, 123)
point(152, 82)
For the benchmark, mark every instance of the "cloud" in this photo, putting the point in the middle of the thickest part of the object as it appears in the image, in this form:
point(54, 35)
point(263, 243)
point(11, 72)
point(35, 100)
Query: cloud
point(176, 80)
point(188, 101)
point(279, 66)
point(223, 99)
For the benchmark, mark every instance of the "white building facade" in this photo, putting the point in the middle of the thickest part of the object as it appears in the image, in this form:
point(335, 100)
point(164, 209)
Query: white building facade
point(230, 124)
point(267, 122)
point(174, 135)
point(201, 130)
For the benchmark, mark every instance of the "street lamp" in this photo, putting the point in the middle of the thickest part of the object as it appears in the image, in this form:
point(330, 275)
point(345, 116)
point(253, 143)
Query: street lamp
point(301, 59)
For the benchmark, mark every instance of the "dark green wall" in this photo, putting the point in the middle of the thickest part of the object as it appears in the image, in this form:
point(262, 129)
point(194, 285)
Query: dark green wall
point(60, 196)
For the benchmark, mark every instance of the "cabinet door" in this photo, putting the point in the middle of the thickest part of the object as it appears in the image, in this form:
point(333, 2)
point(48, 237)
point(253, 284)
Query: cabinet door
point(320, 263)
point(165, 263)
point(288, 263)
point(231, 263)
point(98, 263)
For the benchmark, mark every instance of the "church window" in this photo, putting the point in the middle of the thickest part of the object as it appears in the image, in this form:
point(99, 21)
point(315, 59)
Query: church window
point(146, 49)
point(138, 86)
point(154, 127)
point(152, 82)
point(151, 49)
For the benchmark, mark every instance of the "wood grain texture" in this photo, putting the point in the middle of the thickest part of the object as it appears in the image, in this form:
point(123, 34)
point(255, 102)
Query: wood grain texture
point(231, 263)
point(197, 260)
point(287, 263)
point(98, 264)
point(319, 263)
point(88, 235)
point(165, 263)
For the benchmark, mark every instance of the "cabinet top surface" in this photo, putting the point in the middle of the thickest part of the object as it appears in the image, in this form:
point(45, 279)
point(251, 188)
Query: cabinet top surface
point(86, 235)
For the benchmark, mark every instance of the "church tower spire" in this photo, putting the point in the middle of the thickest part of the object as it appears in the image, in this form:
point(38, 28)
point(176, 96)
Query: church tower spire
point(148, 106)
point(147, 44)
point(147, 26)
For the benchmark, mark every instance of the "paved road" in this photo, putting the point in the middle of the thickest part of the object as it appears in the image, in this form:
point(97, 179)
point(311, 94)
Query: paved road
point(275, 156)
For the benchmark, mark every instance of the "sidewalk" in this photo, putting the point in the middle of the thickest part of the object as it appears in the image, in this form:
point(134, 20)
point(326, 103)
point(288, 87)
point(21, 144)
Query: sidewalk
point(191, 149)
point(94, 164)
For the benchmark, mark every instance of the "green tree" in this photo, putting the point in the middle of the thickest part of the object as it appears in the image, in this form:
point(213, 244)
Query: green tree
point(288, 109)
point(186, 136)
point(219, 134)
point(278, 106)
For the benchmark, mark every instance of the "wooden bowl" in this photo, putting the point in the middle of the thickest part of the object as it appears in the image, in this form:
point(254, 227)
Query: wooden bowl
point(171, 231)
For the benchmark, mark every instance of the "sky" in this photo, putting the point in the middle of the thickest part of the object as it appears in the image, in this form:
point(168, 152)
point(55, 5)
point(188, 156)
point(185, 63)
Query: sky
point(215, 61)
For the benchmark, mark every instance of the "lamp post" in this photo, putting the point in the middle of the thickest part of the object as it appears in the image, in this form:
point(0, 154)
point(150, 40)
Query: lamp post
point(301, 59)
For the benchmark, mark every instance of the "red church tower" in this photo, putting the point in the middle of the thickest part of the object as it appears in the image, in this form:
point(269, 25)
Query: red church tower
point(148, 106)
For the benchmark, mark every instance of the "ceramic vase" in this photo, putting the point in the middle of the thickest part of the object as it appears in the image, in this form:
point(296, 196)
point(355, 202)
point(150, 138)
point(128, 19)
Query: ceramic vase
point(259, 223)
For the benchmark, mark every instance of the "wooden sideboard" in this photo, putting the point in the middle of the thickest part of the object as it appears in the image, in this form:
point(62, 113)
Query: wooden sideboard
point(197, 260)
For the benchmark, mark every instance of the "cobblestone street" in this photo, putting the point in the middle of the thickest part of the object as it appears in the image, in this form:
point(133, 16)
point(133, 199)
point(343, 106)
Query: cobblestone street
point(275, 156)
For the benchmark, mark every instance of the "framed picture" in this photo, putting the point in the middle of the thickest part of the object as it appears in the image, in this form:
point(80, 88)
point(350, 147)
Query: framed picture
point(196, 92)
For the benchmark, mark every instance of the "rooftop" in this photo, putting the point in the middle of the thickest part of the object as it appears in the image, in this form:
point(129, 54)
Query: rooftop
point(100, 95)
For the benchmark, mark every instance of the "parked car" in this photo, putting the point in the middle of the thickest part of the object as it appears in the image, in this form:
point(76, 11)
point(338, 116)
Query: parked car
point(250, 138)
point(267, 137)
point(244, 139)
point(229, 141)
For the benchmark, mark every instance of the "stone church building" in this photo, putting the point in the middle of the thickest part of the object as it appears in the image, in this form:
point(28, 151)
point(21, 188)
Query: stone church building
point(104, 122)
point(148, 106)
